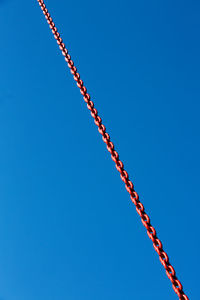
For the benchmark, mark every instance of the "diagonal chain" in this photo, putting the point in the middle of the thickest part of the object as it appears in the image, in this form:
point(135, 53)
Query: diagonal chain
point(119, 165)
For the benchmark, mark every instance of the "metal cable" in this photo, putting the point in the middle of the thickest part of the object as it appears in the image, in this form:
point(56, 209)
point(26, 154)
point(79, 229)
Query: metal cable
point(119, 165)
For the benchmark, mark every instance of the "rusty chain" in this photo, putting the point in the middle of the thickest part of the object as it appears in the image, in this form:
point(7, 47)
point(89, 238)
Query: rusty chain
point(119, 165)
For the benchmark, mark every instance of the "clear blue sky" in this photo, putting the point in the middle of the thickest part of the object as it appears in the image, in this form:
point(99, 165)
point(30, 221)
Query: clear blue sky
point(67, 227)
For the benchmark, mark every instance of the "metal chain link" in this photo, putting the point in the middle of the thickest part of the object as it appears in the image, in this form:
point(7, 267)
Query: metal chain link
point(119, 165)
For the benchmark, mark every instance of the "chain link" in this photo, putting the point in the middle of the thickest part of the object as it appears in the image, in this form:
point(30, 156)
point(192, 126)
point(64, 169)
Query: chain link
point(115, 157)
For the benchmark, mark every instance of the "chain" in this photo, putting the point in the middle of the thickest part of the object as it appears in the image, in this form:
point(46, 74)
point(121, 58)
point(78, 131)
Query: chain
point(119, 165)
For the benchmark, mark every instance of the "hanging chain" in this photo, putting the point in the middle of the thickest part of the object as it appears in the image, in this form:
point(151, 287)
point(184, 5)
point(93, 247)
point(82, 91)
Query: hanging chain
point(119, 165)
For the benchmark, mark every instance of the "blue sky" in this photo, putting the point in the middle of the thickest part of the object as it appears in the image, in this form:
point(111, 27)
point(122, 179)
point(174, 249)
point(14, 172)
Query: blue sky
point(67, 227)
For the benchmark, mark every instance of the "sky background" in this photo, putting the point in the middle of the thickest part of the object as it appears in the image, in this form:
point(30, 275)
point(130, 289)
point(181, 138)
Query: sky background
point(68, 229)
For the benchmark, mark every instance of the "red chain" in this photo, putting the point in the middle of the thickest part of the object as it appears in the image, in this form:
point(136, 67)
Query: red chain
point(119, 165)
